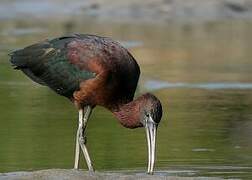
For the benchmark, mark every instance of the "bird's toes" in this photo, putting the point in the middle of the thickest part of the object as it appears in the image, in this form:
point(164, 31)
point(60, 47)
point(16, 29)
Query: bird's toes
point(91, 171)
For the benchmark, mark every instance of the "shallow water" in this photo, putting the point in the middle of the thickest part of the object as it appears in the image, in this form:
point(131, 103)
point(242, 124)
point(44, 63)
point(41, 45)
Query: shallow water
point(155, 85)
point(201, 73)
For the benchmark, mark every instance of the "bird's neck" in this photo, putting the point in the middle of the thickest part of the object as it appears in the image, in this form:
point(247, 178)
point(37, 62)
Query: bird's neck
point(129, 113)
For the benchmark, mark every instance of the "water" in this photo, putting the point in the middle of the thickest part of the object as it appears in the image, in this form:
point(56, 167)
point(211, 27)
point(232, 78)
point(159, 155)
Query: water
point(201, 73)
point(154, 85)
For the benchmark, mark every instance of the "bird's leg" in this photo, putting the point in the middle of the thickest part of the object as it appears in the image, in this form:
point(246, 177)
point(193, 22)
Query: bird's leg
point(77, 145)
point(82, 138)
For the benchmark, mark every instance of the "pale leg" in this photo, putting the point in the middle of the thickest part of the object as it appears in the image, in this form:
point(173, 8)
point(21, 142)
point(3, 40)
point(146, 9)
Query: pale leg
point(82, 140)
point(77, 145)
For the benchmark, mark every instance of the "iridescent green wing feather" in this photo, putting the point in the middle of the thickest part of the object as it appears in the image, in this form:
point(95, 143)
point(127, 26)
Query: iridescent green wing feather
point(46, 63)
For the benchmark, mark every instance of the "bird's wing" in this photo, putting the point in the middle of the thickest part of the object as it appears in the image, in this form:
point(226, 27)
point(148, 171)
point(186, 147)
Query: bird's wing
point(48, 63)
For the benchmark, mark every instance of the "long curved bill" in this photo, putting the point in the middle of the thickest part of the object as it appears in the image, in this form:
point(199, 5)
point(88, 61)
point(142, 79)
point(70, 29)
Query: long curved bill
point(151, 129)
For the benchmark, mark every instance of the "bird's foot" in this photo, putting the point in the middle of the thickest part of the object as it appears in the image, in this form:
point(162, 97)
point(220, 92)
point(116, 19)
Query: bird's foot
point(91, 171)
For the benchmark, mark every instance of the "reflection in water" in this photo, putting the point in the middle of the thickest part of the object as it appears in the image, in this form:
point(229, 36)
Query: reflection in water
point(206, 128)
point(131, 44)
point(22, 31)
point(155, 85)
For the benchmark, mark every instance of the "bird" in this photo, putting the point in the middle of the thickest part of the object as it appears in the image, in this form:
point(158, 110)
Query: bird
point(90, 71)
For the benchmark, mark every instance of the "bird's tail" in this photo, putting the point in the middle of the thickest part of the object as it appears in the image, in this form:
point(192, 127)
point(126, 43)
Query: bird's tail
point(22, 58)
point(28, 60)
point(18, 59)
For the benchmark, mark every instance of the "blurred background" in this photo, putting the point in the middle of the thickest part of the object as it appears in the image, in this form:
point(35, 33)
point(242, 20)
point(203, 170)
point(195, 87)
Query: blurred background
point(195, 55)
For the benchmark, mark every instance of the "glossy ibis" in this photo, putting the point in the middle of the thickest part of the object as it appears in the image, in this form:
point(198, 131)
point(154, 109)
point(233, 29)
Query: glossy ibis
point(91, 70)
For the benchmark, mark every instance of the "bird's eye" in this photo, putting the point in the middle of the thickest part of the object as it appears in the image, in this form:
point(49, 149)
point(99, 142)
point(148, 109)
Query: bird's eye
point(146, 113)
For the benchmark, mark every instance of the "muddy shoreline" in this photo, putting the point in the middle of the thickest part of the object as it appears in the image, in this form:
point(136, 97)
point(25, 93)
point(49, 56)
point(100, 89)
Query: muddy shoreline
point(147, 11)
point(59, 174)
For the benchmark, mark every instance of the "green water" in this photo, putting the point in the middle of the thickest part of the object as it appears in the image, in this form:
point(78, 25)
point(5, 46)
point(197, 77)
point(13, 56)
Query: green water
point(204, 131)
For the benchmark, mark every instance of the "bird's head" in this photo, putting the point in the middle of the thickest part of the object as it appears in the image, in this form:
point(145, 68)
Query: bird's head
point(150, 109)
point(145, 111)
point(151, 114)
